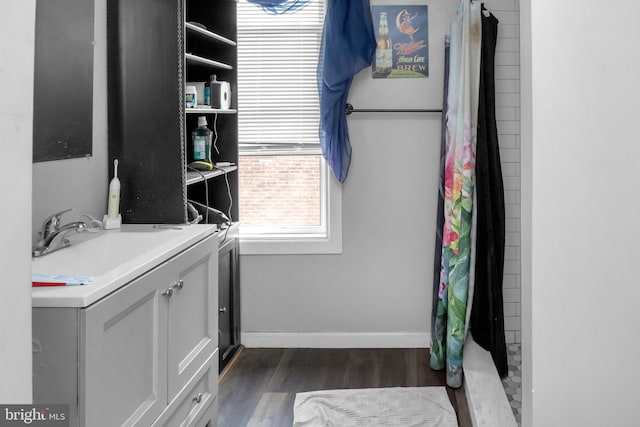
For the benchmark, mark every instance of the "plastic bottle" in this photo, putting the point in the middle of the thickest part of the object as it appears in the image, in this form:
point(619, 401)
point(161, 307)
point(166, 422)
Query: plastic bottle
point(207, 90)
point(191, 96)
point(201, 138)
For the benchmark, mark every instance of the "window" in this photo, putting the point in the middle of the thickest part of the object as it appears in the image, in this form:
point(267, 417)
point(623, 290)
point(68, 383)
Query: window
point(289, 202)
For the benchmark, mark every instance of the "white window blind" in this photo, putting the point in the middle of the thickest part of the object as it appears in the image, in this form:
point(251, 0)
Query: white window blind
point(278, 107)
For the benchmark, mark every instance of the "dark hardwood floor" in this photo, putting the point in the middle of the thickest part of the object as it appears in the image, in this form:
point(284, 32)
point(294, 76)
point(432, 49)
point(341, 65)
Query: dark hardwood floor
point(259, 386)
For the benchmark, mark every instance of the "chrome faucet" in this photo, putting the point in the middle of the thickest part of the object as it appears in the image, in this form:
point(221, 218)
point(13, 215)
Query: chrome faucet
point(52, 236)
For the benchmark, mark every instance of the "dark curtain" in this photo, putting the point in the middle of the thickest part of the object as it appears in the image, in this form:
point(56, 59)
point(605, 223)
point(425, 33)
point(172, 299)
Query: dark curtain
point(487, 313)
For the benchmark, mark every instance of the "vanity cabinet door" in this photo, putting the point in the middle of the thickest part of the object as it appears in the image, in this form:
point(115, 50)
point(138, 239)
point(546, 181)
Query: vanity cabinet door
point(123, 361)
point(228, 300)
point(192, 319)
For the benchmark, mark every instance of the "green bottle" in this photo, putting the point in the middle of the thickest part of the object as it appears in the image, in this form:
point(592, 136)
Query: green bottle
point(201, 138)
point(208, 90)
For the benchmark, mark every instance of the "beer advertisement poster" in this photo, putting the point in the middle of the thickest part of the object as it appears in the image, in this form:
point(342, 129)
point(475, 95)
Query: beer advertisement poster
point(402, 48)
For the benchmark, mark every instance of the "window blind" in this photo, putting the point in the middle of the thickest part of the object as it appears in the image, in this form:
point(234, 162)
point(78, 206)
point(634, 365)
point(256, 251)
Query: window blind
point(278, 107)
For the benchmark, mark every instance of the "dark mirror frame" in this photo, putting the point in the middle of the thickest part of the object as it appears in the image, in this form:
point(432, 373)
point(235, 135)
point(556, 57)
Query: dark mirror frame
point(63, 80)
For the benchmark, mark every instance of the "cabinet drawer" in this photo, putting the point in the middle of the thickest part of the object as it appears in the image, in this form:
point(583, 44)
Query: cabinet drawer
point(197, 406)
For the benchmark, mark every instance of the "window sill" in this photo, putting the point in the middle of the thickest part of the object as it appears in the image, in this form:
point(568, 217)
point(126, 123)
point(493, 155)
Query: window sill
point(289, 245)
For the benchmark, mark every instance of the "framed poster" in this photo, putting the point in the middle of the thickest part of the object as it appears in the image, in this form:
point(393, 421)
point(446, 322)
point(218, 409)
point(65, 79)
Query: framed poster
point(402, 49)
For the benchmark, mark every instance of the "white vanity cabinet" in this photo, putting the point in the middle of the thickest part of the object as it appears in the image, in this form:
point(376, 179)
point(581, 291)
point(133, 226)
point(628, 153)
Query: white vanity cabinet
point(144, 355)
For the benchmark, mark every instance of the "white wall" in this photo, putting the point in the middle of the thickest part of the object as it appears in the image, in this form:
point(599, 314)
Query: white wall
point(17, 35)
point(34, 191)
point(81, 183)
point(582, 271)
point(378, 291)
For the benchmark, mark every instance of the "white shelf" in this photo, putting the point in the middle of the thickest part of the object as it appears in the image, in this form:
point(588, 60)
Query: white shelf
point(193, 177)
point(209, 62)
point(206, 33)
point(203, 110)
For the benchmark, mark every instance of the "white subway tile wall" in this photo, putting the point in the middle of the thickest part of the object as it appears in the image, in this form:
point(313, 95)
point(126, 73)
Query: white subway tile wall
point(508, 121)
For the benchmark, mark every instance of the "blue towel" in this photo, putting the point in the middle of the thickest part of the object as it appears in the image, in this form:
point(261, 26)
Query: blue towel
point(348, 44)
point(277, 7)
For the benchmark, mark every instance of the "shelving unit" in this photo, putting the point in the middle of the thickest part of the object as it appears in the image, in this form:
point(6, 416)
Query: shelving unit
point(212, 51)
point(149, 126)
point(208, 51)
point(154, 48)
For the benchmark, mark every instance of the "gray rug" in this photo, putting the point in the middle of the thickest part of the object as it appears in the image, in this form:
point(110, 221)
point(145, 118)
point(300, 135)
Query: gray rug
point(389, 407)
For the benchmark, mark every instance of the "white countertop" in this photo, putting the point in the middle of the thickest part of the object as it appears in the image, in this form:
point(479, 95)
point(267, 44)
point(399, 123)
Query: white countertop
point(114, 258)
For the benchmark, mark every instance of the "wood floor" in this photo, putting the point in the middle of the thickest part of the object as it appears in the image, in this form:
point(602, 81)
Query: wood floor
point(259, 386)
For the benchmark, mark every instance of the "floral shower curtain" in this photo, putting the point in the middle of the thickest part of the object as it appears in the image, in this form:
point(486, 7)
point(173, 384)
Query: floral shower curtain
point(455, 264)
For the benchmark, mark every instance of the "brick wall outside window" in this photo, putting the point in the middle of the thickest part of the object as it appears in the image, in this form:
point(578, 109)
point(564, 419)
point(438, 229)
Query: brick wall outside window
point(280, 189)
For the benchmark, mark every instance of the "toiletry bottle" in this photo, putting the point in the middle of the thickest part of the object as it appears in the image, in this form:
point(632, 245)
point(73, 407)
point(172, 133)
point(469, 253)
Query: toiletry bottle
point(201, 137)
point(191, 97)
point(208, 90)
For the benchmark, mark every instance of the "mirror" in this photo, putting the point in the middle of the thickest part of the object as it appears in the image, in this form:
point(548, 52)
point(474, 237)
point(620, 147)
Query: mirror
point(63, 80)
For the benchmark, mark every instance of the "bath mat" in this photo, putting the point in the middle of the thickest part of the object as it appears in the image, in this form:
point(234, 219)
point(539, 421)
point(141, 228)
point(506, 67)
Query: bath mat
point(389, 407)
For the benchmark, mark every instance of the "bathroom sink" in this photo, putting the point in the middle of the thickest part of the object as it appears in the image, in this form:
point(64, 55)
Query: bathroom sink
point(113, 258)
point(106, 251)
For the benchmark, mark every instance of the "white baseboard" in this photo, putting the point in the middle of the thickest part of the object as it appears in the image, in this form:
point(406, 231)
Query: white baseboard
point(335, 340)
